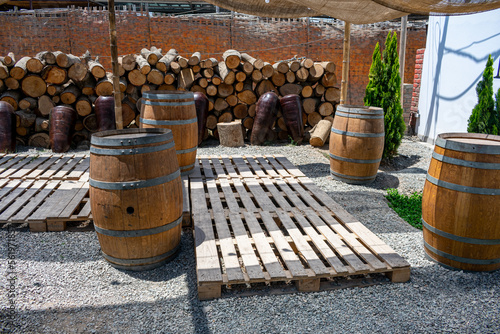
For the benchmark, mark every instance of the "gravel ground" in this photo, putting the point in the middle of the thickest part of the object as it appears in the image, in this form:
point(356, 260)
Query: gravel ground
point(64, 285)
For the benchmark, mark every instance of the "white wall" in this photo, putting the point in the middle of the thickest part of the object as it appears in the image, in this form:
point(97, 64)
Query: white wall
point(455, 57)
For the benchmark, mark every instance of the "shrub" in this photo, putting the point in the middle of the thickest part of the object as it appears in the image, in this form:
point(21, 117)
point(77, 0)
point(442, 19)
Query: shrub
point(384, 91)
point(407, 207)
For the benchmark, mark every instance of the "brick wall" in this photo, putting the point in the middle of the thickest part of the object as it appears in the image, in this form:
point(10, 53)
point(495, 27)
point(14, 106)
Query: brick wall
point(419, 60)
point(77, 30)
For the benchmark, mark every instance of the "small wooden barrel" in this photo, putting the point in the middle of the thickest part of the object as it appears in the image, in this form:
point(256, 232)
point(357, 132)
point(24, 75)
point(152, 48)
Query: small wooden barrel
point(291, 107)
point(174, 110)
point(461, 202)
point(105, 113)
point(62, 127)
point(136, 197)
point(7, 128)
point(201, 103)
point(356, 143)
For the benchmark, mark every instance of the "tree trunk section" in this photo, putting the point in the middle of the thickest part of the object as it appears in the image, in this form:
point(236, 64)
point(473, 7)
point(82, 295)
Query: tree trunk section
point(33, 86)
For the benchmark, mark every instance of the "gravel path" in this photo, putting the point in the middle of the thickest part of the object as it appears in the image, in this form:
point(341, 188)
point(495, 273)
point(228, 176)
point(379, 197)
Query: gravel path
point(64, 285)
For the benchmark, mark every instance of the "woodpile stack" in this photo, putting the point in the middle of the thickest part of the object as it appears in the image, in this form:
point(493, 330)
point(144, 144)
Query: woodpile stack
point(232, 84)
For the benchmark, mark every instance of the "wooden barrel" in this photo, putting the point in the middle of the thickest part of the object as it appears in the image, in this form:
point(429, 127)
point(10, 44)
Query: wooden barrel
point(461, 202)
point(291, 107)
point(7, 128)
point(136, 197)
point(356, 143)
point(174, 110)
point(201, 102)
point(62, 127)
point(105, 113)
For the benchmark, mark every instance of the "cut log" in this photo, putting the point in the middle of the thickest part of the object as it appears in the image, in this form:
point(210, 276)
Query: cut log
point(247, 122)
point(309, 105)
point(220, 104)
point(203, 82)
point(281, 123)
point(28, 103)
point(56, 99)
point(4, 71)
point(278, 79)
point(136, 78)
point(265, 86)
point(129, 111)
point(9, 60)
point(307, 91)
point(319, 90)
point(257, 76)
point(239, 87)
point(83, 106)
point(267, 70)
point(175, 67)
point(325, 109)
point(290, 88)
point(26, 119)
point(224, 90)
point(257, 63)
point(183, 62)
point(142, 64)
point(282, 67)
point(35, 65)
point(307, 63)
point(3, 88)
point(79, 125)
point(87, 85)
point(196, 69)
point(12, 97)
point(104, 87)
point(302, 74)
point(33, 86)
point(194, 59)
point(55, 75)
point(169, 78)
point(231, 134)
point(232, 58)
point(232, 100)
point(314, 118)
point(251, 110)
point(163, 63)
point(22, 131)
point(248, 68)
point(155, 77)
point(290, 77)
point(12, 83)
point(47, 57)
point(128, 62)
point(226, 74)
point(19, 70)
point(90, 123)
point(328, 66)
point(40, 139)
point(66, 60)
point(247, 96)
point(320, 133)
point(41, 124)
point(332, 94)
point(185, 79)
point(96, 69)
point(122, 83)
point(216, 80)
point(211, 122)
point(226, 116)
point(294, 65)
point(211, 90)
point(198, 88)
point(45, 105)
point(240, 111)
point(152, 56)
point(241, 76)
point(77, 71)
point(329, 80)
point(208, 72)
point(315, 72)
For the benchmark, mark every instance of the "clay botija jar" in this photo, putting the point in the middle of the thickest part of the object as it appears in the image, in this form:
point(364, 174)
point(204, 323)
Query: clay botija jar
point(62, 125)
point(105, 113)
point(265, 114)
point(291, 107)
point(7, 128)
point(201, 103)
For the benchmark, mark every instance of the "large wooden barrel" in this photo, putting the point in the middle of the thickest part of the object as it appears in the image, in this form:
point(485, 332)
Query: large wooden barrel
point(174, 110)
point(136, 196)
point(461, 202)
point(62, 128)
point(105, 113)
point(356, 143)
point(291, 107)
point(7, 128)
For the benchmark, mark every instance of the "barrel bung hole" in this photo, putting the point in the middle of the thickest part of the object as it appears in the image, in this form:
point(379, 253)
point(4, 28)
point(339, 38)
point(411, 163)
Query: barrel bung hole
point(130, 210)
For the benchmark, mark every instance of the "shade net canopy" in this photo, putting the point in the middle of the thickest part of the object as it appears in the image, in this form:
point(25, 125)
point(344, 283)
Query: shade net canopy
point(356, 11)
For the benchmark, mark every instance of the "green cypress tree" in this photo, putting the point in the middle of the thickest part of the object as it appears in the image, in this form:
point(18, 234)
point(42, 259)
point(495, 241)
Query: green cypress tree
point(484, 117)
point(384, 91)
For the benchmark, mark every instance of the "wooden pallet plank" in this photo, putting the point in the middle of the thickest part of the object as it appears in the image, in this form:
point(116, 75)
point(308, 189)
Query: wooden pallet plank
point(228, 165)
point(75, 201)
point(266, 253)
point(334, 240)
point(276, 194)
point(5, 158)
point(279, 167)
point(291, 168)
point(13, 165)
point(82, 167)
point(207, 258)
point(196, 170)
point(34, 163)
point(64, 171)
point(21, 201)
point(186, 204)
point(55, 167)
point(85, 211)
point(287, 254)
point(220, 173)
point(207, 168)
point(9, 198)
point(242, 166)
point(259, 195)
point(351, 239)
point(42, 168)
point(305, 195)
point(229, 255)
point(10, 186)
point(56, 202)
point(257, 168)
point(3, 182)
point(292, 195)
point(23, 214)
point(320, 243)
point(248, 257)
point(244, 196)
point(302, 245)
point(270, 172)
point(231, 201)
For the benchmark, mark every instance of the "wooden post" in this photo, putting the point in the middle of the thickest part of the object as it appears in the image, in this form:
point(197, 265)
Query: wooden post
point(114, 63)
point(345, 63)
point(402, 53)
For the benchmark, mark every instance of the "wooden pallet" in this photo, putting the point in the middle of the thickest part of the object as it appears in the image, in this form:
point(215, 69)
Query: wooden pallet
point(261, 220)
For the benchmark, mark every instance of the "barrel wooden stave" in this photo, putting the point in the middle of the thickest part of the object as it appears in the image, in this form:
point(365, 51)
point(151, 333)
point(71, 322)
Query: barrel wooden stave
point(355, 154)
point(137, 209)
point(185, 135)
point(460, 227)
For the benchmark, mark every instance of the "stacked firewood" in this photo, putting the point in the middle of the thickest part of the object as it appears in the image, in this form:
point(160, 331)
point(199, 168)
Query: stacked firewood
point(233, 84)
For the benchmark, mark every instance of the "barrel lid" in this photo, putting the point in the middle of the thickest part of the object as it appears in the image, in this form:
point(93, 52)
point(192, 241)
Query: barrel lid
point(469, 142)
point(168, 94)
point(353, 109)
point(131, 137)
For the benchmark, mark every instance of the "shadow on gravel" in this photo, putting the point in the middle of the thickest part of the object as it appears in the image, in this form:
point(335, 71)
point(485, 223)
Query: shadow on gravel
point(398, 163)
point(384, 181)
point(316, 169)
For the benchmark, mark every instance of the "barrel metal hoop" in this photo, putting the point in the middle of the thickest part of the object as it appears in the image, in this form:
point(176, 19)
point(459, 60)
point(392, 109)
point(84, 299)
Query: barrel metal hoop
point(359, 161)
point(360, 110)
point(186, 167)
point(353, 177)
point(138, 233)
point(159, 136)
point(465, 163)
point(467, 147)
point(464, 189)
point(187, 150)
point(131, 151)
point(167, 122)
point(134, 184)
point(338, 113)
point(358, 134)
point(167, 96)
point(459, 258)
point(459, 238)
point(167, 104)
point(128, 264)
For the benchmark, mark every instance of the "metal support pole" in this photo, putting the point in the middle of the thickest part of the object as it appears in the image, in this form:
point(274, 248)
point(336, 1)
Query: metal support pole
point(345, 63)
point(402, 53)
point(114, 63)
